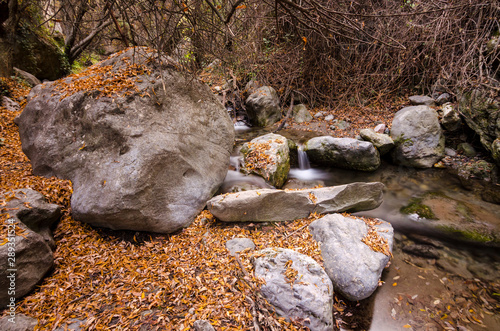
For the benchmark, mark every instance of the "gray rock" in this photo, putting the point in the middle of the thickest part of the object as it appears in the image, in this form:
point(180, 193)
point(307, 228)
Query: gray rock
point(345, 153)
point(329, 118)
point(10, 104)
point(301, 114)
point(251, 87)
point(319, 114)
point(203, 325)
point(30, 207)
point(306, 296)
point(424, 100)
point(467, 149)
point(267, 156)
point(380, 128)
point(443, 98)
point(418, 137)
point(383, 142)
point(450, 151)
point(353, 267)
point(33, 259)
point(339, 125)
point(18, 322)
point(239, 244)
point(450, 118)
point(263, 107)
point(284, 205)
point(148, 161)
point(27, 77)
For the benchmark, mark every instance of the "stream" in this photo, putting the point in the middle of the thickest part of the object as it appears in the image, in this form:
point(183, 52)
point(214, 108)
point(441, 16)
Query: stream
point(435, 281)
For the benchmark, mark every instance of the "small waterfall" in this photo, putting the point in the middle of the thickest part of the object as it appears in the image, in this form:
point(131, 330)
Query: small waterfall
point(302, 158)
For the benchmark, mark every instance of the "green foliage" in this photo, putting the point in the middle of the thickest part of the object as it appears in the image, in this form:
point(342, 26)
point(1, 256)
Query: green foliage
point(84, 61)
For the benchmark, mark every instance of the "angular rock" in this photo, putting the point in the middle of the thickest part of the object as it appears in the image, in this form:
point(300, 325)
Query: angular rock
point(380, 128)
point(345, 153)
point(30, 207)
point(383, 142)
point(18, 322)
point(263, 107)
point(443, 98)
point(239, 244)
point(450, 118)
point(353, 266)
point(300, 114)
point(418, 100)
point(306, 296)
point(418, 137)
point(33, 259)
point(267, 156)
point(10, 104)
point(145, 158)
point(283, 205)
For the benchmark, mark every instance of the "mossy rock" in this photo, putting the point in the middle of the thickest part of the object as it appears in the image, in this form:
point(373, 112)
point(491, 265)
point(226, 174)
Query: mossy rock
point(417, 207)
point(39, 54)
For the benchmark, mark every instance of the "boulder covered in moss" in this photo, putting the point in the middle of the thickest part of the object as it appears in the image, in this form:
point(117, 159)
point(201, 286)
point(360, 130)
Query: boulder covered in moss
point(38, 54)
point(269, 157)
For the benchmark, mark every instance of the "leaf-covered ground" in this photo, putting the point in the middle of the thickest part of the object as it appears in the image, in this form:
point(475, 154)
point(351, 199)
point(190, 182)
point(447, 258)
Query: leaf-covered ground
point(119, 280)
point(124, 280)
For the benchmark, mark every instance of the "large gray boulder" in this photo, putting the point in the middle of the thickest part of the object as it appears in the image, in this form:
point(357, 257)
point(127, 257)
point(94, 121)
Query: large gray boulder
point(382, 141)
point(263, 107)
point(269, 157)
point(144, 152)
point(285, 205)
point(296, 286)
point(418, 136)
point(344, 153)
point(352, 265)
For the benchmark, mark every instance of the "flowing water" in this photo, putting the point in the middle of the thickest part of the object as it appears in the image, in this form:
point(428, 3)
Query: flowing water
point(421, 291)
